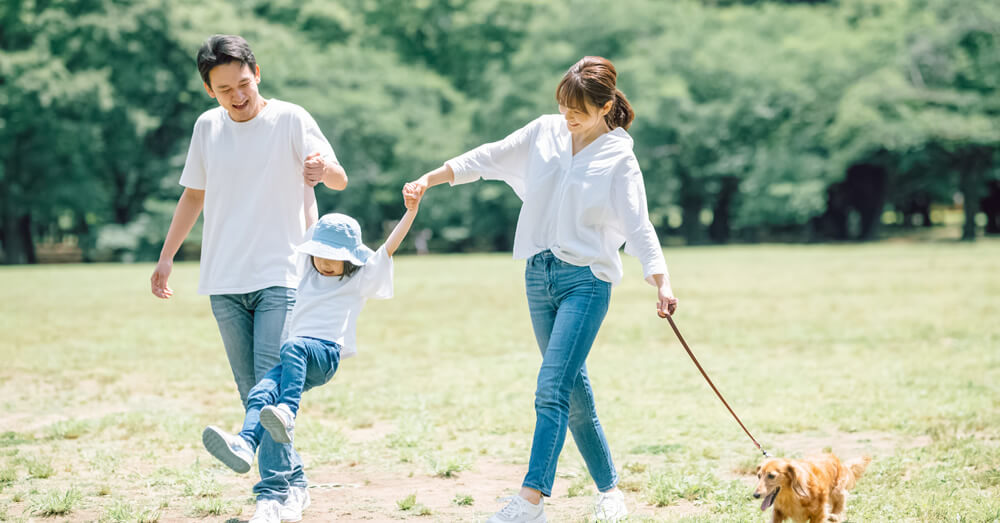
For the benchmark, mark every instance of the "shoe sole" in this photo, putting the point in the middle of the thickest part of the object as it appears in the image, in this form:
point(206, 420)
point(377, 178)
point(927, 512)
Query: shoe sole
point(216, 445)
point(270, 421)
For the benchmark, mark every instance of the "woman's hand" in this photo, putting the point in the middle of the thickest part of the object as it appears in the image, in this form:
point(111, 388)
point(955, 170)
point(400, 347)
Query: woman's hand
point(416, 188)
point(666, 304)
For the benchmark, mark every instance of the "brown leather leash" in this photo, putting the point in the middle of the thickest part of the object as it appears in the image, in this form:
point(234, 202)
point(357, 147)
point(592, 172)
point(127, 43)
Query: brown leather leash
point(709, 380)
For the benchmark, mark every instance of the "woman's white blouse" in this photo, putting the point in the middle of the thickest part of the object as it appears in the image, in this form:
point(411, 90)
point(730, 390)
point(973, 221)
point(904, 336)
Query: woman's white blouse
point(582, 207)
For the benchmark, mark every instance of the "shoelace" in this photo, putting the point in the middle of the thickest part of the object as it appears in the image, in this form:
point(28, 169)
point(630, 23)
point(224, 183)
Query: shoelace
point(512, 508)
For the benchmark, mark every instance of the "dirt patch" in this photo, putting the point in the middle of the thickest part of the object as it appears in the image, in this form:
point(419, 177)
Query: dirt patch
point(849, 444)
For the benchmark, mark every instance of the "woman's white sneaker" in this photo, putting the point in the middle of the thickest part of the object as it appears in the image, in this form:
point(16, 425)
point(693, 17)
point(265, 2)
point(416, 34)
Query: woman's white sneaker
point(610, 506)
point(520, 510)
point(268, 511)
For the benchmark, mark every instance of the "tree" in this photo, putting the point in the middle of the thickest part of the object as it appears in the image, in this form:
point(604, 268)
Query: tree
point(97, 105)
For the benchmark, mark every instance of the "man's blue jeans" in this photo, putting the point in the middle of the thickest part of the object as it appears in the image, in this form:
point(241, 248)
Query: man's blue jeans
point(567, 305)
point(253, 326)
point(305, 363)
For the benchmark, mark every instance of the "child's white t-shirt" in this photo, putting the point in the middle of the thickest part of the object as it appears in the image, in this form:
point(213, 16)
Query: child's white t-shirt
point(251, 173)
point(327, 307)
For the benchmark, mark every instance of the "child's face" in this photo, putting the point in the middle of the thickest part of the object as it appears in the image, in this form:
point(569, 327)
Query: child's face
point(328, 267)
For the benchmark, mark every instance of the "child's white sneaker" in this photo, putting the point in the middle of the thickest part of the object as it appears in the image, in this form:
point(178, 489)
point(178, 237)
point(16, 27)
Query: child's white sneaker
point(268, 511)
point(279, 422)
point(232, 450)
point(520, 510)
point(296, 502)
point(610, 506)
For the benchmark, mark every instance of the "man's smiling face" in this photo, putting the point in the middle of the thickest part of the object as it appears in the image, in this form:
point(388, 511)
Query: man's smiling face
point(234, 85)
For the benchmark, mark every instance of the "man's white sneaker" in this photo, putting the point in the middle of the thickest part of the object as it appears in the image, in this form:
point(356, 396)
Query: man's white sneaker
point(279, 422)
point(268, 511)
point(610, 506)
point(520, 510)
point(232, 450)
point(297, 501)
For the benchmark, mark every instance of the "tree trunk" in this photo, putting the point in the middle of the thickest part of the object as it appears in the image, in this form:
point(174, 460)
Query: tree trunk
point(970, 182)
point(720, 228)
point(18, 245)
point(973, 165)
point(692, 203)
point(866, 188)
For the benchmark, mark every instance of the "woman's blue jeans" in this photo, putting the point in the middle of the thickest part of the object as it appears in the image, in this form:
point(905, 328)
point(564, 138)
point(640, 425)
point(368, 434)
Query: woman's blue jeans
point(305, 363)
point(567, 305)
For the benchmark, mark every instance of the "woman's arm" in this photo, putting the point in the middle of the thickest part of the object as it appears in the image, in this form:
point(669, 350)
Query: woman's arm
point(442, 174)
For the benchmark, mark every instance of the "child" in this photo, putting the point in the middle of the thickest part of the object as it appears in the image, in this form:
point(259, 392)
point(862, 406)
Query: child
point(340, 273)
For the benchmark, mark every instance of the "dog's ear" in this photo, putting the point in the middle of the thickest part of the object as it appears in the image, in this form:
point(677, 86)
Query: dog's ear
point(757, 472)
point(797, 478)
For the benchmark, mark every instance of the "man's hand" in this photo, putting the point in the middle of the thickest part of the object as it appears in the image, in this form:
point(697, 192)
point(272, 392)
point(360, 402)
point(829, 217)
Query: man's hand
point(314, 169)
point(158, 282)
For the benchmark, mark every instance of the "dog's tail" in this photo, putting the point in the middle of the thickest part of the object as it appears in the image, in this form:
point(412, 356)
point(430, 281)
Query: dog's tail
point(856, 467)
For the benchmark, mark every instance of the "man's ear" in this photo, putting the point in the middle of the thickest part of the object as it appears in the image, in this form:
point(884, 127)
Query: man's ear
point(208, 89)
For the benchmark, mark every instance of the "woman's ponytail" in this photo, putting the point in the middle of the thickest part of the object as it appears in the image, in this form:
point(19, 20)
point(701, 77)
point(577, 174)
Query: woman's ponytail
point(593, 80)
point(621, 113)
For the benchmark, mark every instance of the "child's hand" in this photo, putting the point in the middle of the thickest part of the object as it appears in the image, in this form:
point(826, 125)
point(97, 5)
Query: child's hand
point(412, 196)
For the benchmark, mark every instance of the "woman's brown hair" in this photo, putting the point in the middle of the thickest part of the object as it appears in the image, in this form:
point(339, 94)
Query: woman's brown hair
point(594, 80)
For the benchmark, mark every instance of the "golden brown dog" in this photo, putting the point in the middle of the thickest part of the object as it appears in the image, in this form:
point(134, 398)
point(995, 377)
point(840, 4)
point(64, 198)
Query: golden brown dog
point(812, 489)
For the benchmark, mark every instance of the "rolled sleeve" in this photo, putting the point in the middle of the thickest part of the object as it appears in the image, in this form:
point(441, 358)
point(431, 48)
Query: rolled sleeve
point(629, 199)
point(505, 160)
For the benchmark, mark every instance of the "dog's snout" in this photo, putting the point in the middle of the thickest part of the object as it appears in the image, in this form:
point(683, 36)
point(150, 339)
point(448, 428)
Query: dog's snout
point(756, 494)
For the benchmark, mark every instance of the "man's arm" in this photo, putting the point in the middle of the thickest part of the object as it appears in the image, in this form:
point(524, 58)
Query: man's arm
point(185, 215)
point(324, 169)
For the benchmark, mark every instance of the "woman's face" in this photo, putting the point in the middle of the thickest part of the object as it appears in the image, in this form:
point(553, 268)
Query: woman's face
point(586, 122)
point(328, 267)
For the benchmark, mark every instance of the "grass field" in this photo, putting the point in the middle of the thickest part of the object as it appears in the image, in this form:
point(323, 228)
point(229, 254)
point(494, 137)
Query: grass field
point(891, 350)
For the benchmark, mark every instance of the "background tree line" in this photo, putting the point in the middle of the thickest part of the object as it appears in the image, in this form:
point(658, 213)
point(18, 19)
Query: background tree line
point(803, 121)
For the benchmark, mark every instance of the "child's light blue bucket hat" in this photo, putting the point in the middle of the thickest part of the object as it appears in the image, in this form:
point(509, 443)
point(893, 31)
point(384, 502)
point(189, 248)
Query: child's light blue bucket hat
point(337, 237)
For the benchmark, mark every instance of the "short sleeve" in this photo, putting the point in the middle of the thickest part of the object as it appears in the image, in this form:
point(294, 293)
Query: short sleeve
point(194, 174)
point(376, 276)
point(309, 139)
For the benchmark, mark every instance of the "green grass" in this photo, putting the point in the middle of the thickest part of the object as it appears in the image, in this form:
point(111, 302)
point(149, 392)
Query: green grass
point(887, 349)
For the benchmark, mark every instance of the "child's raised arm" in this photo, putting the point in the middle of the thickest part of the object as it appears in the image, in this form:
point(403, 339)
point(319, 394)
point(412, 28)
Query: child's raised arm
point(412, 201)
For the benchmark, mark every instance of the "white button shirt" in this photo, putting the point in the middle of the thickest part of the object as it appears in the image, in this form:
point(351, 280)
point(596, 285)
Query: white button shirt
point(582, 207)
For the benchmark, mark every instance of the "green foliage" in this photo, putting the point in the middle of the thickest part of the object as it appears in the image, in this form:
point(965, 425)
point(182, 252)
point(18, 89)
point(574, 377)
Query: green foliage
point(747, 111)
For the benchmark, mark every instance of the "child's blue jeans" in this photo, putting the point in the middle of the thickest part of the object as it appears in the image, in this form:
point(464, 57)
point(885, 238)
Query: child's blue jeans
point(305, 363)
point(567, 305)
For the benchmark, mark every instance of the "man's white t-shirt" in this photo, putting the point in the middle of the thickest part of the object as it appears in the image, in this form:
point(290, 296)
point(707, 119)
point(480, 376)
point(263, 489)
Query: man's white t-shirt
point(251, 173)
point(327, 307)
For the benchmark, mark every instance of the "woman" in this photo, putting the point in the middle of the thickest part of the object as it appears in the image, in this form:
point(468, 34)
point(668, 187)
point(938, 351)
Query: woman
point(583, 197)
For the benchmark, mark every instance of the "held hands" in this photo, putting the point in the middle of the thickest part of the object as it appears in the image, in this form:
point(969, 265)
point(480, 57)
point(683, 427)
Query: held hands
point(413, 192)
point(313, 169)
point(158, 282)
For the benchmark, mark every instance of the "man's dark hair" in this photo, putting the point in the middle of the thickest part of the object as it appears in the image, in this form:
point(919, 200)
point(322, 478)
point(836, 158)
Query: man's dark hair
point(221, 50)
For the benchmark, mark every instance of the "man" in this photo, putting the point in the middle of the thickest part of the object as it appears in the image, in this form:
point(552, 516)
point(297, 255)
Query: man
point(252, 165)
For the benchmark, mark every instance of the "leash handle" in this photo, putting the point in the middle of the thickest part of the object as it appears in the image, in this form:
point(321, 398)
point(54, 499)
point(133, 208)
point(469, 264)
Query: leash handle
point(709, 380)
